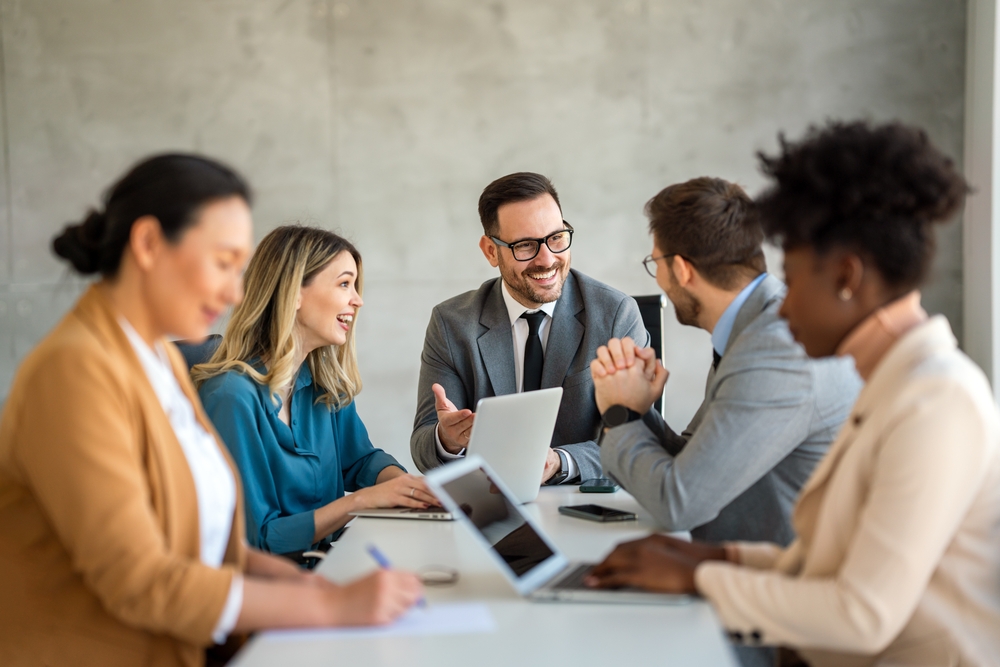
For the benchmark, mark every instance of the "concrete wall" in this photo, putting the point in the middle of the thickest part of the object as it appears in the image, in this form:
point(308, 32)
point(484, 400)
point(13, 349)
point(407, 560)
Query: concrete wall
point(385, 118)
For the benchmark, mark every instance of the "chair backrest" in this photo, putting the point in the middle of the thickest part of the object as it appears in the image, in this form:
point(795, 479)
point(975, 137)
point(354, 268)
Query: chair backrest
point(199, 351)
point(651, 309)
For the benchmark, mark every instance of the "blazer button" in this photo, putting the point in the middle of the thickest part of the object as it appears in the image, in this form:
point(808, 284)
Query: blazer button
point(736, 636)
point(756, 637)
point(857, 420)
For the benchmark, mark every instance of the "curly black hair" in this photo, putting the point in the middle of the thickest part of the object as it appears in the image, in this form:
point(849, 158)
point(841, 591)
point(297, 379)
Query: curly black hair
point(873, 189)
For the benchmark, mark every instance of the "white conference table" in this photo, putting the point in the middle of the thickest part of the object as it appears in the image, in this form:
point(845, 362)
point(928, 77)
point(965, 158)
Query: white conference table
point(526, 632)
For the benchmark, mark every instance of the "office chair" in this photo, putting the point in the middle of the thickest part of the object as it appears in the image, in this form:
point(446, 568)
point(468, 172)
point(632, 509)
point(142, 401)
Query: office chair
point(651, 309)
point(198, 352)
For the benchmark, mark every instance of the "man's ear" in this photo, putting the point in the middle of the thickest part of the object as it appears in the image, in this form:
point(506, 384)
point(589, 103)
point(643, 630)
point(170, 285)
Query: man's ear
point(684, 271)
point(145, 241)
point(490, 250)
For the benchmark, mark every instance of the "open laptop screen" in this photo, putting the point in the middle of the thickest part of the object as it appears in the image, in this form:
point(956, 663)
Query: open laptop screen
point(499, 521)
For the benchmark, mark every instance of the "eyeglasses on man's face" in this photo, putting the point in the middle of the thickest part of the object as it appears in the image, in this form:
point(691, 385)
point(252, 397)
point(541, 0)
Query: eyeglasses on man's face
point(527, 249)
point(650, 263)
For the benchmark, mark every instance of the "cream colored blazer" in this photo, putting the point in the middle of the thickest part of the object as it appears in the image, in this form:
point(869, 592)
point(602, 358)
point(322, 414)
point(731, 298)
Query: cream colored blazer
point(897, 560)
point(99, 543)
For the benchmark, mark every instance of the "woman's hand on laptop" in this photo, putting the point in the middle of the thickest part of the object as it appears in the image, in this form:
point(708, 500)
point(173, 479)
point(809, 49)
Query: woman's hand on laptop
point(650, 564)
point(404, 490)
point(454, 425)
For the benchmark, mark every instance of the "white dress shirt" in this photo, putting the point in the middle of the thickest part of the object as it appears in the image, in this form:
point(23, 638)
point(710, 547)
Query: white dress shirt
point(213, 478)
point(519, 332)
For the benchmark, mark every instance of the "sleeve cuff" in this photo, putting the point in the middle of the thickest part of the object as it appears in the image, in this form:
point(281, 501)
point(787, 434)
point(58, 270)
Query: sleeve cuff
point(708, 576)
point(289, 533)
point(442, 453)
point(572, 470)
point(377, 462)
point(230, 612)
point(758, 555)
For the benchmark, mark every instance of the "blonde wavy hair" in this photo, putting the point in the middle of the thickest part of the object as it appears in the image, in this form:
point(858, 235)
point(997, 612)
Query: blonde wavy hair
point(263, 325)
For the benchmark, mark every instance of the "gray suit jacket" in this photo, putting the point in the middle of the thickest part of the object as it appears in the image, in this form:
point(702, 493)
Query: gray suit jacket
point(469, 350)
point(768, 417)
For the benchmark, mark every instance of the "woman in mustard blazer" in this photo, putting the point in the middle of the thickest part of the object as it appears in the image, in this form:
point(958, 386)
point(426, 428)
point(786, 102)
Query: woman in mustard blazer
point(897, 556)
point(121, 524)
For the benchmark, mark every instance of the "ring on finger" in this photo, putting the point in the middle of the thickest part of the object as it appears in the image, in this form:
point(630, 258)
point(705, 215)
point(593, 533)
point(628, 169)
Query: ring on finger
point(411, 491)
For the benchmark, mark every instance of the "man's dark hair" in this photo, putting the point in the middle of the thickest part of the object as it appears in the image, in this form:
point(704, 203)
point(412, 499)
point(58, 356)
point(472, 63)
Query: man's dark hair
point(522, 186)
point(873, 190)
point(711, 223)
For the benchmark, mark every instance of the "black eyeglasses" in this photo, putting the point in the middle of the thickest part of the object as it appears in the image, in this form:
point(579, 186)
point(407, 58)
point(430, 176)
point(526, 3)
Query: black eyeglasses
point(650, 263)
point(527, 249)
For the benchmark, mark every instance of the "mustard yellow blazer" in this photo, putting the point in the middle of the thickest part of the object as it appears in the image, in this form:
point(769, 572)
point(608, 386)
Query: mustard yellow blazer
point(99, 537)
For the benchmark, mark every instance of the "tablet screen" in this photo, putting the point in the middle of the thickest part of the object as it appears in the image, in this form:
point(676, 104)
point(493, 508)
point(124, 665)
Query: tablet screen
point(499, 520)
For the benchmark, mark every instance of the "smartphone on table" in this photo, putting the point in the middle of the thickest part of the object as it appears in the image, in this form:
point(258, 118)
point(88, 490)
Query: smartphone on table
point(596, 513)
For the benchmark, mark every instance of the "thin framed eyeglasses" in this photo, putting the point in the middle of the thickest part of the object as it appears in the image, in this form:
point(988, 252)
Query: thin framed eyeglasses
point(527, 249)
point(650, 263)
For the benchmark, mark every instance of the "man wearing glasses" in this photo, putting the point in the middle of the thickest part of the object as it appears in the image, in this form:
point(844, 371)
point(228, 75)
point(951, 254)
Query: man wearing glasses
point(769, 413)
point(536, 326)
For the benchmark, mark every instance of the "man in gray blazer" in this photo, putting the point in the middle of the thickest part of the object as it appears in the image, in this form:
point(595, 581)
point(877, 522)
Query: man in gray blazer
point(536, 326)
point(769, 412)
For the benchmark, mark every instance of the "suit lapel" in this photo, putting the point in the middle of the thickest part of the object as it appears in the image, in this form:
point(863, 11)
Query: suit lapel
point(496, 345)
point(769, 289)
point(565, 335)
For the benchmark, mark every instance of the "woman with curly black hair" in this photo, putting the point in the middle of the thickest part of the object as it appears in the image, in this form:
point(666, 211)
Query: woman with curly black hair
point(897, 559)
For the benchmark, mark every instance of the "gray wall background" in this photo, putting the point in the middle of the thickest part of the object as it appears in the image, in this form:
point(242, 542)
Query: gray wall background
point(384, 119)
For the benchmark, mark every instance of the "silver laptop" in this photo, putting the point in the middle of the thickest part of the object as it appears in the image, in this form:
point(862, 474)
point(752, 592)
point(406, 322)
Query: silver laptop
point(429, 514)
point(479, 499)
point(513, 434)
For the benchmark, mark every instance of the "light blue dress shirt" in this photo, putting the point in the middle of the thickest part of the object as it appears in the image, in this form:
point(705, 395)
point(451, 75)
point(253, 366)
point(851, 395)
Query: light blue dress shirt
point(724, 327)
point(290, 470)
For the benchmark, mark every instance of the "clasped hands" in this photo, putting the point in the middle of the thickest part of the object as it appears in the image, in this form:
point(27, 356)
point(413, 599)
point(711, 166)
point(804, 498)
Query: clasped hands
point(626, 374)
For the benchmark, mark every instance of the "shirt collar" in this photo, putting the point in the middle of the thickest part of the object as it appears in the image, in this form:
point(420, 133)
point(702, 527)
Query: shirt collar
point(155, 363)
point(869, 342)
point(152, 358)
point(304, 378)
point(724, 327)
point(515, 309)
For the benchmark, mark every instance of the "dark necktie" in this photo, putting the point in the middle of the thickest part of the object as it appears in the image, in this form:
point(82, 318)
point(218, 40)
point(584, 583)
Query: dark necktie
point(533, 355)
point(716, 357)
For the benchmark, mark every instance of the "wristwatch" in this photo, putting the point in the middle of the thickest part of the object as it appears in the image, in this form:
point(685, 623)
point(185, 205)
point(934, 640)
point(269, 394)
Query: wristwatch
point(563, 473)
point(617, 415)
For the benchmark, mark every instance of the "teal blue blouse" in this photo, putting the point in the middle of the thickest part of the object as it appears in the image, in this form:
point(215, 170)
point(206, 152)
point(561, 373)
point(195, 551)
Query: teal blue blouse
point(290, 471)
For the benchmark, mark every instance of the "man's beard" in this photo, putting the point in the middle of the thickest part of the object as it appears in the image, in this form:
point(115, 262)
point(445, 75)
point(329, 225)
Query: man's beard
point(686, 306)
point(521, 286)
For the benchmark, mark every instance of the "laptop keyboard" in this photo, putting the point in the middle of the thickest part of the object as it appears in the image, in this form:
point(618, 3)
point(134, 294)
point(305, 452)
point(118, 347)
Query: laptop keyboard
point(574, 580)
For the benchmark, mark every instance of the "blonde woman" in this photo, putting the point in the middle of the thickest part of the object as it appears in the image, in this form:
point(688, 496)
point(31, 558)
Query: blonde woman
point(280, 389)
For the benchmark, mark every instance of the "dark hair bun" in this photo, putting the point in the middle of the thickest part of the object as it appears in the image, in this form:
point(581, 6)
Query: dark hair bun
point(80, 243)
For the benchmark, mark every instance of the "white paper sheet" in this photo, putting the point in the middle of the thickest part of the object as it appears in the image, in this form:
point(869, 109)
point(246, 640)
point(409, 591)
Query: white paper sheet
point(438, 619)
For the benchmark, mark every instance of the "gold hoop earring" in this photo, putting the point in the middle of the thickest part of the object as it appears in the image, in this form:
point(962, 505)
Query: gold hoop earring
point(845, 294)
